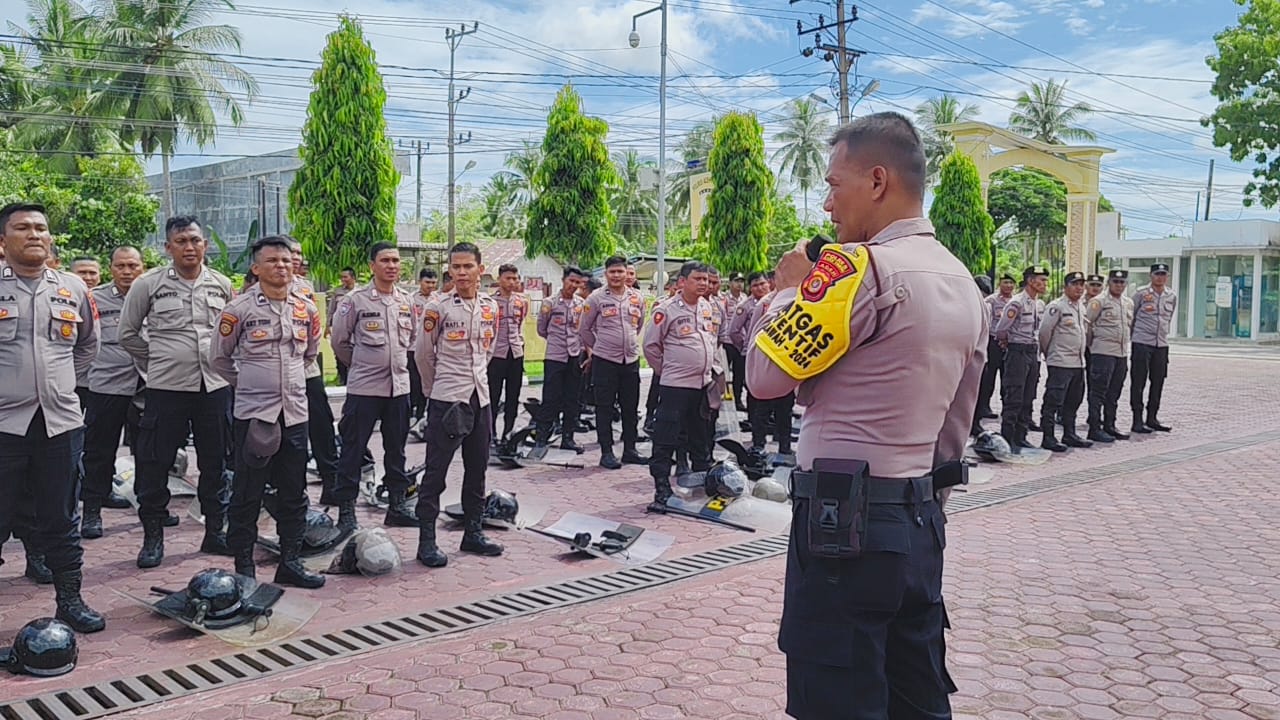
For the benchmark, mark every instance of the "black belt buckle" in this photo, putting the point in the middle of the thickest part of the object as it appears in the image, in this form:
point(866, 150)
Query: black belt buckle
point(829, 515)
point(838, 503)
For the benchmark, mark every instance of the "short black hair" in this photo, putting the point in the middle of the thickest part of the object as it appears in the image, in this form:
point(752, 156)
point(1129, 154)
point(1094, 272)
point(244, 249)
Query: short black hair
point(379, 247)
point(427, 274)
point(112, 257)
point(892, 141)
point(615, 261)
point(180, 222)
point(505, 268)
point(348, 270)
point(594, 284)
point(572, 270)
point(446, 277)
point(984, 284)
point(466, 247)
point(54, 251)
point(753, 277)
point(12, 209)
point(711, 270)
point(691, 267)
point(279, 241)
point(84, 258)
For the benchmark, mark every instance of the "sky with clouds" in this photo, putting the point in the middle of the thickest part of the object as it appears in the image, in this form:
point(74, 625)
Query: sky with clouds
point(1139, 63)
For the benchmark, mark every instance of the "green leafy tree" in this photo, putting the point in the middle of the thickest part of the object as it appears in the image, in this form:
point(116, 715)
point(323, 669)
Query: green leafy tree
point(959, 217)
point(1035, 202)
point(803, 155)
point(503, 214)
point(696, 145)
point(1247, 119)
point(635, 205)
point(175, 78)
point(1045, 114)
point(570, 217)
point(343, 199)
point(739, 208)
point(930, 114)
point(786, 228)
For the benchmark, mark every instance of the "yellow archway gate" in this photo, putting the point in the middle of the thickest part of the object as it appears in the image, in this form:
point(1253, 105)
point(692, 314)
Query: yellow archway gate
point(992, 148)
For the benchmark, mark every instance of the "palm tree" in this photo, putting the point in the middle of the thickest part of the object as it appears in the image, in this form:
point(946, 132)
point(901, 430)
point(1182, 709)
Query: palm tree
point(15, 83)
point(63, 105)
point(176, 82)
point(695, 146)
point(1046, 115)
point(635, 206)
point(503, 212)
point(932, 113)
point(803, 154)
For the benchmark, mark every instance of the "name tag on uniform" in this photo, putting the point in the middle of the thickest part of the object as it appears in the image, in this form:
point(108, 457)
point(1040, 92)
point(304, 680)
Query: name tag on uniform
point(610, 311)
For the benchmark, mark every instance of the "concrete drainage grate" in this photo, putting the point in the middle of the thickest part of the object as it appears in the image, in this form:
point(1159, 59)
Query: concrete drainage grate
point(116, 696)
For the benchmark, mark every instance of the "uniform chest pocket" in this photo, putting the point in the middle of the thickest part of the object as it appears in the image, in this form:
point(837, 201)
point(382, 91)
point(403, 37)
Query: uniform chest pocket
point(109, 329)
point(404, 325)
point(1169, 305)
point(260, 341)
point(8, 322)
point(64, 324)
point(609, 311)
point(373, 332)
point(457, 335)
point(213, 308)
point(168, 313)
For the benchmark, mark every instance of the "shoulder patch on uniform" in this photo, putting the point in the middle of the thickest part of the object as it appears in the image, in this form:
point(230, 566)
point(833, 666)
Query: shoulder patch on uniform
point(228, 324)
point(429, 320)
point(1053, 309)
point(1012, 312)
point(658, 317)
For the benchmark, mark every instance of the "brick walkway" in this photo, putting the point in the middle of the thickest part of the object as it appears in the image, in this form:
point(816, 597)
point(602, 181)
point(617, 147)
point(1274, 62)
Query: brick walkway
point(1076, 603)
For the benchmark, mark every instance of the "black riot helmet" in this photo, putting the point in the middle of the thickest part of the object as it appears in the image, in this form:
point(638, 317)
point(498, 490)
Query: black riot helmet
point(501, 505)
point(988, 444)
point(320, 530)
point(725, 479)
point(44, 648)
point(212, 594)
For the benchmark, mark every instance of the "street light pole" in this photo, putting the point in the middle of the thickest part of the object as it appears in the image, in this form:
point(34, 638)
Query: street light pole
point(454, 38)
point(634, 39)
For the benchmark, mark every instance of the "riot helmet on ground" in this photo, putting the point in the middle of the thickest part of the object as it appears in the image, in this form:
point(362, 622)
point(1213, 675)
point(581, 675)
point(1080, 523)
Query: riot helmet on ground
point(212, 594)
point(725, 479)
point(989, 444)
point(501, 505)
point(44, 648)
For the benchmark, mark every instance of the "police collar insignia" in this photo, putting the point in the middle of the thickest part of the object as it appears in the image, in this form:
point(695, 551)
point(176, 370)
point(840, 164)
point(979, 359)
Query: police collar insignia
point(813, 333)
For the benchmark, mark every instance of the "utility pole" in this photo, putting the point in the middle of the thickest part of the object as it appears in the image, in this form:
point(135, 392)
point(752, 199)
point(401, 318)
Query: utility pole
point(1208, 195)
point(454, 38)
point(840, 53)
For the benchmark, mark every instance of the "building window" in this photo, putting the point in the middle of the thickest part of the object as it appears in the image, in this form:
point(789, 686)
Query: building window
point(1224, 296)
point(1269, 317)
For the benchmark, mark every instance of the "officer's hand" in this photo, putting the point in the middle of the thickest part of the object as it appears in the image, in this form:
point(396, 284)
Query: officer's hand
point(792, 268)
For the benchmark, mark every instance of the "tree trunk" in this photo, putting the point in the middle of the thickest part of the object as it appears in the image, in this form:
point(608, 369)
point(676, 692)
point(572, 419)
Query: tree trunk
point(167, 202)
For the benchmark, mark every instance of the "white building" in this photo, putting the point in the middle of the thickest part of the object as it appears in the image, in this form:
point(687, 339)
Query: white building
point(1227, 274)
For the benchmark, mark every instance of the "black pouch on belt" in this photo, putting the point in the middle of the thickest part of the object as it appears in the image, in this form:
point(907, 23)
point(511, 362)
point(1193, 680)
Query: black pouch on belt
point(836, 498)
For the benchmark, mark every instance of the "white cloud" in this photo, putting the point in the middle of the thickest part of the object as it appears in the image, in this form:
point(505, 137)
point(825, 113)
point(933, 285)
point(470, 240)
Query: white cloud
point(1077, 25)
point(995, 15)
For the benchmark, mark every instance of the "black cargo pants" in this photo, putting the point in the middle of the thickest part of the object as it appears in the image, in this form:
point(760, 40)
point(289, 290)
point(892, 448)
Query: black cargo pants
point(1106, 382)
point(1018, 390)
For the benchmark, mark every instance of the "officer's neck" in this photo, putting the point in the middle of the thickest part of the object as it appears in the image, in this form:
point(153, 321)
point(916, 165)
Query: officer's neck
point(273, 293)
point(620, 290)
point(122, 289)
point(466, 294)
point(384, 287)
point(188, 274)
point(27, 271)
point(1031, 293)
point(690, 300)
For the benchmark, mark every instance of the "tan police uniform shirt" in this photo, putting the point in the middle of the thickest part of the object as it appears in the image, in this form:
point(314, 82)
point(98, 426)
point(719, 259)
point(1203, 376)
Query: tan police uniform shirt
point(512, 310)
point(995, 309)
point(902, 397)
point(181, 319)
point(1020, 322)
point(335, 297)
point(611, 324)
point(454, 346)
point(680, 343)
point(1062, 334)
point(1153, 315)
point(48, 333)
point(740, 323)
point(372, 334)
point(558, 324)
point(263, 349)
point(302, 287)
point(1109, 318)
point(113, 371)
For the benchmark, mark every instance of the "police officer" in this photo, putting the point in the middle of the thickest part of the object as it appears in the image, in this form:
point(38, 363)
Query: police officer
point(1017, 332)
point(610, 328)
point(995, 304)
point(267, 338)
point(862, 625)
point(1155, 308)
point(1093, 287)
point(456, 341)
point(562, 368)
point(48, 331)
point(734, 351)
point(180, 304)
point(506, 369)
point(775, 412)
point(1109, 317)
point(739, 325)
point(372, 333)
point(347, 280)
point(680, 346)
point(1062, 340)
point(427, 282)
point(113, 381)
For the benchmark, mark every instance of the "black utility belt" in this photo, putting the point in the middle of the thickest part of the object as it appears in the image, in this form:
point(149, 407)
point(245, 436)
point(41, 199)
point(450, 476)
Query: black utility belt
point(879, 491)
point(1023, 346)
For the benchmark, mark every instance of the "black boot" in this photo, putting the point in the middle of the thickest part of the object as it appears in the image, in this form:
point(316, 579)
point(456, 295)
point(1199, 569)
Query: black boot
point(347, 516)
point(152, 551)
point(609, 461)
point(71, 607)
point(91, 522)
point(215, 543)
point(291, 571)
point(244, 563)
point(327, 498)
point(1075, 441)
point(1139, 428)
point(1155, 424)
point(36, 568)
point(428, 552)
point(474, 540)
point(1050, 439)
point(1113, 432)
point(399, 513)
point(631, 457)
point(661, 493)
point(116, 502)
point(1100, 435)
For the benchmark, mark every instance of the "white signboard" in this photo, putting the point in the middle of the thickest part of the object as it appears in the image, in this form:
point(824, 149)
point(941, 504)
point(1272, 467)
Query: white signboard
point(1222, 292)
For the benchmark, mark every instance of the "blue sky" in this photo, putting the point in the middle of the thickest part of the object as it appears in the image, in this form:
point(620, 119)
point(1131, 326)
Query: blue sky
point(1139, 62)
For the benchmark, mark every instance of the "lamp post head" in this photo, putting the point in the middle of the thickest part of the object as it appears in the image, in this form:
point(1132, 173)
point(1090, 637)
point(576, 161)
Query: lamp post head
point(634, 39)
